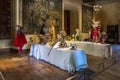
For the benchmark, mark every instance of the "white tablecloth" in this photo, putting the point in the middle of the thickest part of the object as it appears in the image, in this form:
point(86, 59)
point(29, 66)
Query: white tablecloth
point(96, 49)
point(64, 58)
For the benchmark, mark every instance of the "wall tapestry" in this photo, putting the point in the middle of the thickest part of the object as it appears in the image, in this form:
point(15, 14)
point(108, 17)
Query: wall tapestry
point(35, 12)
point(87, 16)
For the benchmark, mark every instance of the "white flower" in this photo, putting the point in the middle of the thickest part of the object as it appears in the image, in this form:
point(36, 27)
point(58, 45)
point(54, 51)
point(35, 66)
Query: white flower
point(103, 33)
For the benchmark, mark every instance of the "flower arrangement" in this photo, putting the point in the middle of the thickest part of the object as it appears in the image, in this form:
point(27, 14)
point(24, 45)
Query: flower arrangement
point(63, 44)
point(62, 34)
point(103, 37)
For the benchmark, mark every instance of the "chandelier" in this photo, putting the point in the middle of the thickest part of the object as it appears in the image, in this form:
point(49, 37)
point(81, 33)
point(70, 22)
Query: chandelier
point(97, 7)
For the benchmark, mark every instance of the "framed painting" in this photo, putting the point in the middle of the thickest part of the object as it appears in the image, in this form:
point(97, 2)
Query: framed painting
point(35, 11)
point(87, 17)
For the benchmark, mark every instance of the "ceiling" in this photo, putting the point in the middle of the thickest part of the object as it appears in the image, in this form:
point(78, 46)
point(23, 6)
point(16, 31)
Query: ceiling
point(100, 1)
point(87, 1)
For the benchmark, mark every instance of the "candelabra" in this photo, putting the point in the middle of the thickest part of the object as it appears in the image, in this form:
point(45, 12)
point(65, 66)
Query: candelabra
point(97, 7)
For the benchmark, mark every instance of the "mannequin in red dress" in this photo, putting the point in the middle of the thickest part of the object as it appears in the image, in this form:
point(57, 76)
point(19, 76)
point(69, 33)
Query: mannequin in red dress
point(20, 40)
point(95, 33)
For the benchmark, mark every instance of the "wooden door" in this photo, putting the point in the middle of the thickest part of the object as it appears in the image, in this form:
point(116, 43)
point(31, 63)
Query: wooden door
point(112, 32)
point(5, 19)
point(67, 21)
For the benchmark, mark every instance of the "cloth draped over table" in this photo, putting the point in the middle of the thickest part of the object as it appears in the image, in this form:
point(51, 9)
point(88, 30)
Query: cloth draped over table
point(64, 58)
point(78, 60)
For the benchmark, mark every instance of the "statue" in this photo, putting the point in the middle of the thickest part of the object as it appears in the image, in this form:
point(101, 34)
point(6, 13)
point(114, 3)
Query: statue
point(77, 34)
point(73, 37)
point(95, 33)
point(103, 37)
point(53, 24)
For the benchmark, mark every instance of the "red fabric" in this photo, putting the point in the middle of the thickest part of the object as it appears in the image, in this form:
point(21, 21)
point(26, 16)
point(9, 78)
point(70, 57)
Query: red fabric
point(20, 50)
point(20, 40)
point(94, 34)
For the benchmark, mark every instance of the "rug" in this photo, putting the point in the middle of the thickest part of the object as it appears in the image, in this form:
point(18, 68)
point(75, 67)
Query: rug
point(82, 75)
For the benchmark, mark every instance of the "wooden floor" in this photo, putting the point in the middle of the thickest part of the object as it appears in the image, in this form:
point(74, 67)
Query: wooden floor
point(28, 68)
point(113, 73)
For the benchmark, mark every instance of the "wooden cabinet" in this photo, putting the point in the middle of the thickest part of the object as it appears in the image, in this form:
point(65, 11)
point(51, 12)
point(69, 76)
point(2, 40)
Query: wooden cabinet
point(112, 32)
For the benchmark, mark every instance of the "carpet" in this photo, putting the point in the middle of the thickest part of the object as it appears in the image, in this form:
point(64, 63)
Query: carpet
point(82, 75)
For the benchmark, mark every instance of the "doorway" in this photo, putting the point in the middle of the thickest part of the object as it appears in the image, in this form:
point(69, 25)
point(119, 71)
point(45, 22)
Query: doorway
point(67, 21)
point(5, 19)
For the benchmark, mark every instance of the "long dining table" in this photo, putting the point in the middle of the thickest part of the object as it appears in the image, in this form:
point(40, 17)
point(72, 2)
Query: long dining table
point(93, 48)
point(64, 58)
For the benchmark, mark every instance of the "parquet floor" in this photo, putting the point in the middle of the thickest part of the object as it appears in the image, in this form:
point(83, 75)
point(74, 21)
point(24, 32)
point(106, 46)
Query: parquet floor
point(28, 68)
point(112, 73)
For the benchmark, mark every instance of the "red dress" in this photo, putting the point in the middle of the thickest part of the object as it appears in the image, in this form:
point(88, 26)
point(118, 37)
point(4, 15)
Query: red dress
point(20, 39)
point(95, 33)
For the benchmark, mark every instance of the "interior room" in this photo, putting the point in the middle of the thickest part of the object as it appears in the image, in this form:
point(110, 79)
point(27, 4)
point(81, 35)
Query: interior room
point(59, 39)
